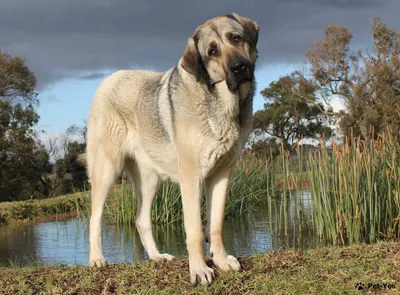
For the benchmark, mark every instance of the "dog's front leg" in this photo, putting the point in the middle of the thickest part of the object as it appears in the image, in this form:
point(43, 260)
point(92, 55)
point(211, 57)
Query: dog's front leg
point(191, 201)
point(217, 190)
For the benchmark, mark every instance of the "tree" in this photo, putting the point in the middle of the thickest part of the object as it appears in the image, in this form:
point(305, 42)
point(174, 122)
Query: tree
point(71, 174)
point(369, 84)
point(22, 160)
point(266, 147)
point(17, 81)
point(75, 176)
point(67, 174)
point(292, 111)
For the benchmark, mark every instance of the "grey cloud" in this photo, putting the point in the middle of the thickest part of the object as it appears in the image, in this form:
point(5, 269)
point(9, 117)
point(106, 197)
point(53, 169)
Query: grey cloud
point(93, 76)
point(63, 39)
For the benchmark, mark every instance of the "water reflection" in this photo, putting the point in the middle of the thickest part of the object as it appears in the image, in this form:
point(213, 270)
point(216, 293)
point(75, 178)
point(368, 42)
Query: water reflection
point(68, 241)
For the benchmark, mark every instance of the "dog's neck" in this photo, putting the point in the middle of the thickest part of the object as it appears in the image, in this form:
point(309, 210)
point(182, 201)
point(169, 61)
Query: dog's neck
point(232, 100)
point(229, 101)
point(223, 111)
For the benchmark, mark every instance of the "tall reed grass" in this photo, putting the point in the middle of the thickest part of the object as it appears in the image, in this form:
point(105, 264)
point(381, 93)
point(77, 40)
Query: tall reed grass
point(355, 189)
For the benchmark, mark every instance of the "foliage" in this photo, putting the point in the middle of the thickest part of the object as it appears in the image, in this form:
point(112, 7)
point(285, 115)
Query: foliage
point(46, 208)
point(27, 168)
point(265, 147)
point(292, 111)
point(368, 83)
point(355, 190)
point(69, 174)
point(17, 81)
point(22, 160)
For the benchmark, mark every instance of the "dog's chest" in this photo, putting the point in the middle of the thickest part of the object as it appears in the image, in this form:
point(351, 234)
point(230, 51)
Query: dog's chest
point(228, 121)
point(222, 146)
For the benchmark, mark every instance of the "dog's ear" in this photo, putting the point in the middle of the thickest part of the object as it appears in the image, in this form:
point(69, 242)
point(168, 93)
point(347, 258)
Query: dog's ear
point(191, 60)
point(251, 27)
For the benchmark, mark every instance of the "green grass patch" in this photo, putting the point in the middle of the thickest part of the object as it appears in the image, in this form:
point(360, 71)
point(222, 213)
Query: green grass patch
point(37, 209)
point(323, 271)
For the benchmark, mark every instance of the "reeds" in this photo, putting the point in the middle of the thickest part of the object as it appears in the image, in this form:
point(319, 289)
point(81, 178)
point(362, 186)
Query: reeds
point(355, 190)
point(252, 182)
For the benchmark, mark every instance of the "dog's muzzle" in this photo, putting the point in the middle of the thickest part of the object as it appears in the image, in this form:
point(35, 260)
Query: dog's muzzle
point(240, 71)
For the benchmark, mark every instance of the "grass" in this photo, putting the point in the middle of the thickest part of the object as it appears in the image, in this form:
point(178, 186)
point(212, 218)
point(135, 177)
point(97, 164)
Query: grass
point(354, 187)
point(252, 182)
point(355, 191)
point(40, 209)
point(323, 271)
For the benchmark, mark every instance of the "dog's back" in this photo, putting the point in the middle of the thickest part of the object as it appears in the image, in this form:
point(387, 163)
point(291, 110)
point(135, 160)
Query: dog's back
point(114, 112)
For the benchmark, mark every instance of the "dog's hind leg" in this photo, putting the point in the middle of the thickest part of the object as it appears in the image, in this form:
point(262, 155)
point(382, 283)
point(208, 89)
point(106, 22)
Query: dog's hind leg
point(103, 175)
point(145, 183)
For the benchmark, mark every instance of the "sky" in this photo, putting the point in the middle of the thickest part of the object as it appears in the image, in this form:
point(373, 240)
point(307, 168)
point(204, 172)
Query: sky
point(71, 45)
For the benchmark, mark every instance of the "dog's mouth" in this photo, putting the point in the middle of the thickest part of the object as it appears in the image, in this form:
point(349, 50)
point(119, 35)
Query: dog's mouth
point(234, 81)
point(233, 86)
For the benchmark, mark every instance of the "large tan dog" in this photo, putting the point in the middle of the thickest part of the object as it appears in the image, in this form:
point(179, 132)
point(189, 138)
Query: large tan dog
point(188, 124)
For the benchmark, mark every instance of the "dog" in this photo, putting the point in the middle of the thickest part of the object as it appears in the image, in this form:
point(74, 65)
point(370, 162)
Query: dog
point(188, 124)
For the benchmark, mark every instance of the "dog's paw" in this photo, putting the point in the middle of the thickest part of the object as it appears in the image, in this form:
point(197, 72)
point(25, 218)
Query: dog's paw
point(163, 256)
point(201, 271)
point(101, 262)
point(226, 263)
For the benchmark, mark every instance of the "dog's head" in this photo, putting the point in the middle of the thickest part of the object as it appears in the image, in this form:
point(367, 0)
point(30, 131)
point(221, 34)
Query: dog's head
point(223, 49)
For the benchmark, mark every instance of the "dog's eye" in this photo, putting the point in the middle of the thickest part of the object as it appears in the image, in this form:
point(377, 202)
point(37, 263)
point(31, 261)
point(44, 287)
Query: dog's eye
point(236, 38)
point(212, 51)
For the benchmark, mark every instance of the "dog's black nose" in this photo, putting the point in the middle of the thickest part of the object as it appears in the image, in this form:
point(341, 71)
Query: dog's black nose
point(239, 67)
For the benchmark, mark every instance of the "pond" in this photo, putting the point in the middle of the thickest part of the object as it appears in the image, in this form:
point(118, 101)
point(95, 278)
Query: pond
point(67, 241)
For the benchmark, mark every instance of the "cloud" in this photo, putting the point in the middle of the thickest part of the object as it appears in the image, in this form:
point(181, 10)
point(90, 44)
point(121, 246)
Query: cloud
point(93, 76)
point(64, 39)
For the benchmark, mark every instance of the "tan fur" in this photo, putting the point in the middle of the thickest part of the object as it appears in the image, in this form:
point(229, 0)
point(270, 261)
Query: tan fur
point(172, 125)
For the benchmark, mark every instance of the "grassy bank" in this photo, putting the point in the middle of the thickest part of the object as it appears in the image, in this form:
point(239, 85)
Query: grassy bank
point(41, 209)
point(323, 271)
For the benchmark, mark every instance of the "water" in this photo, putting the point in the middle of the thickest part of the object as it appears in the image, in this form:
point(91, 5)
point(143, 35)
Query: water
point(67, 242)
